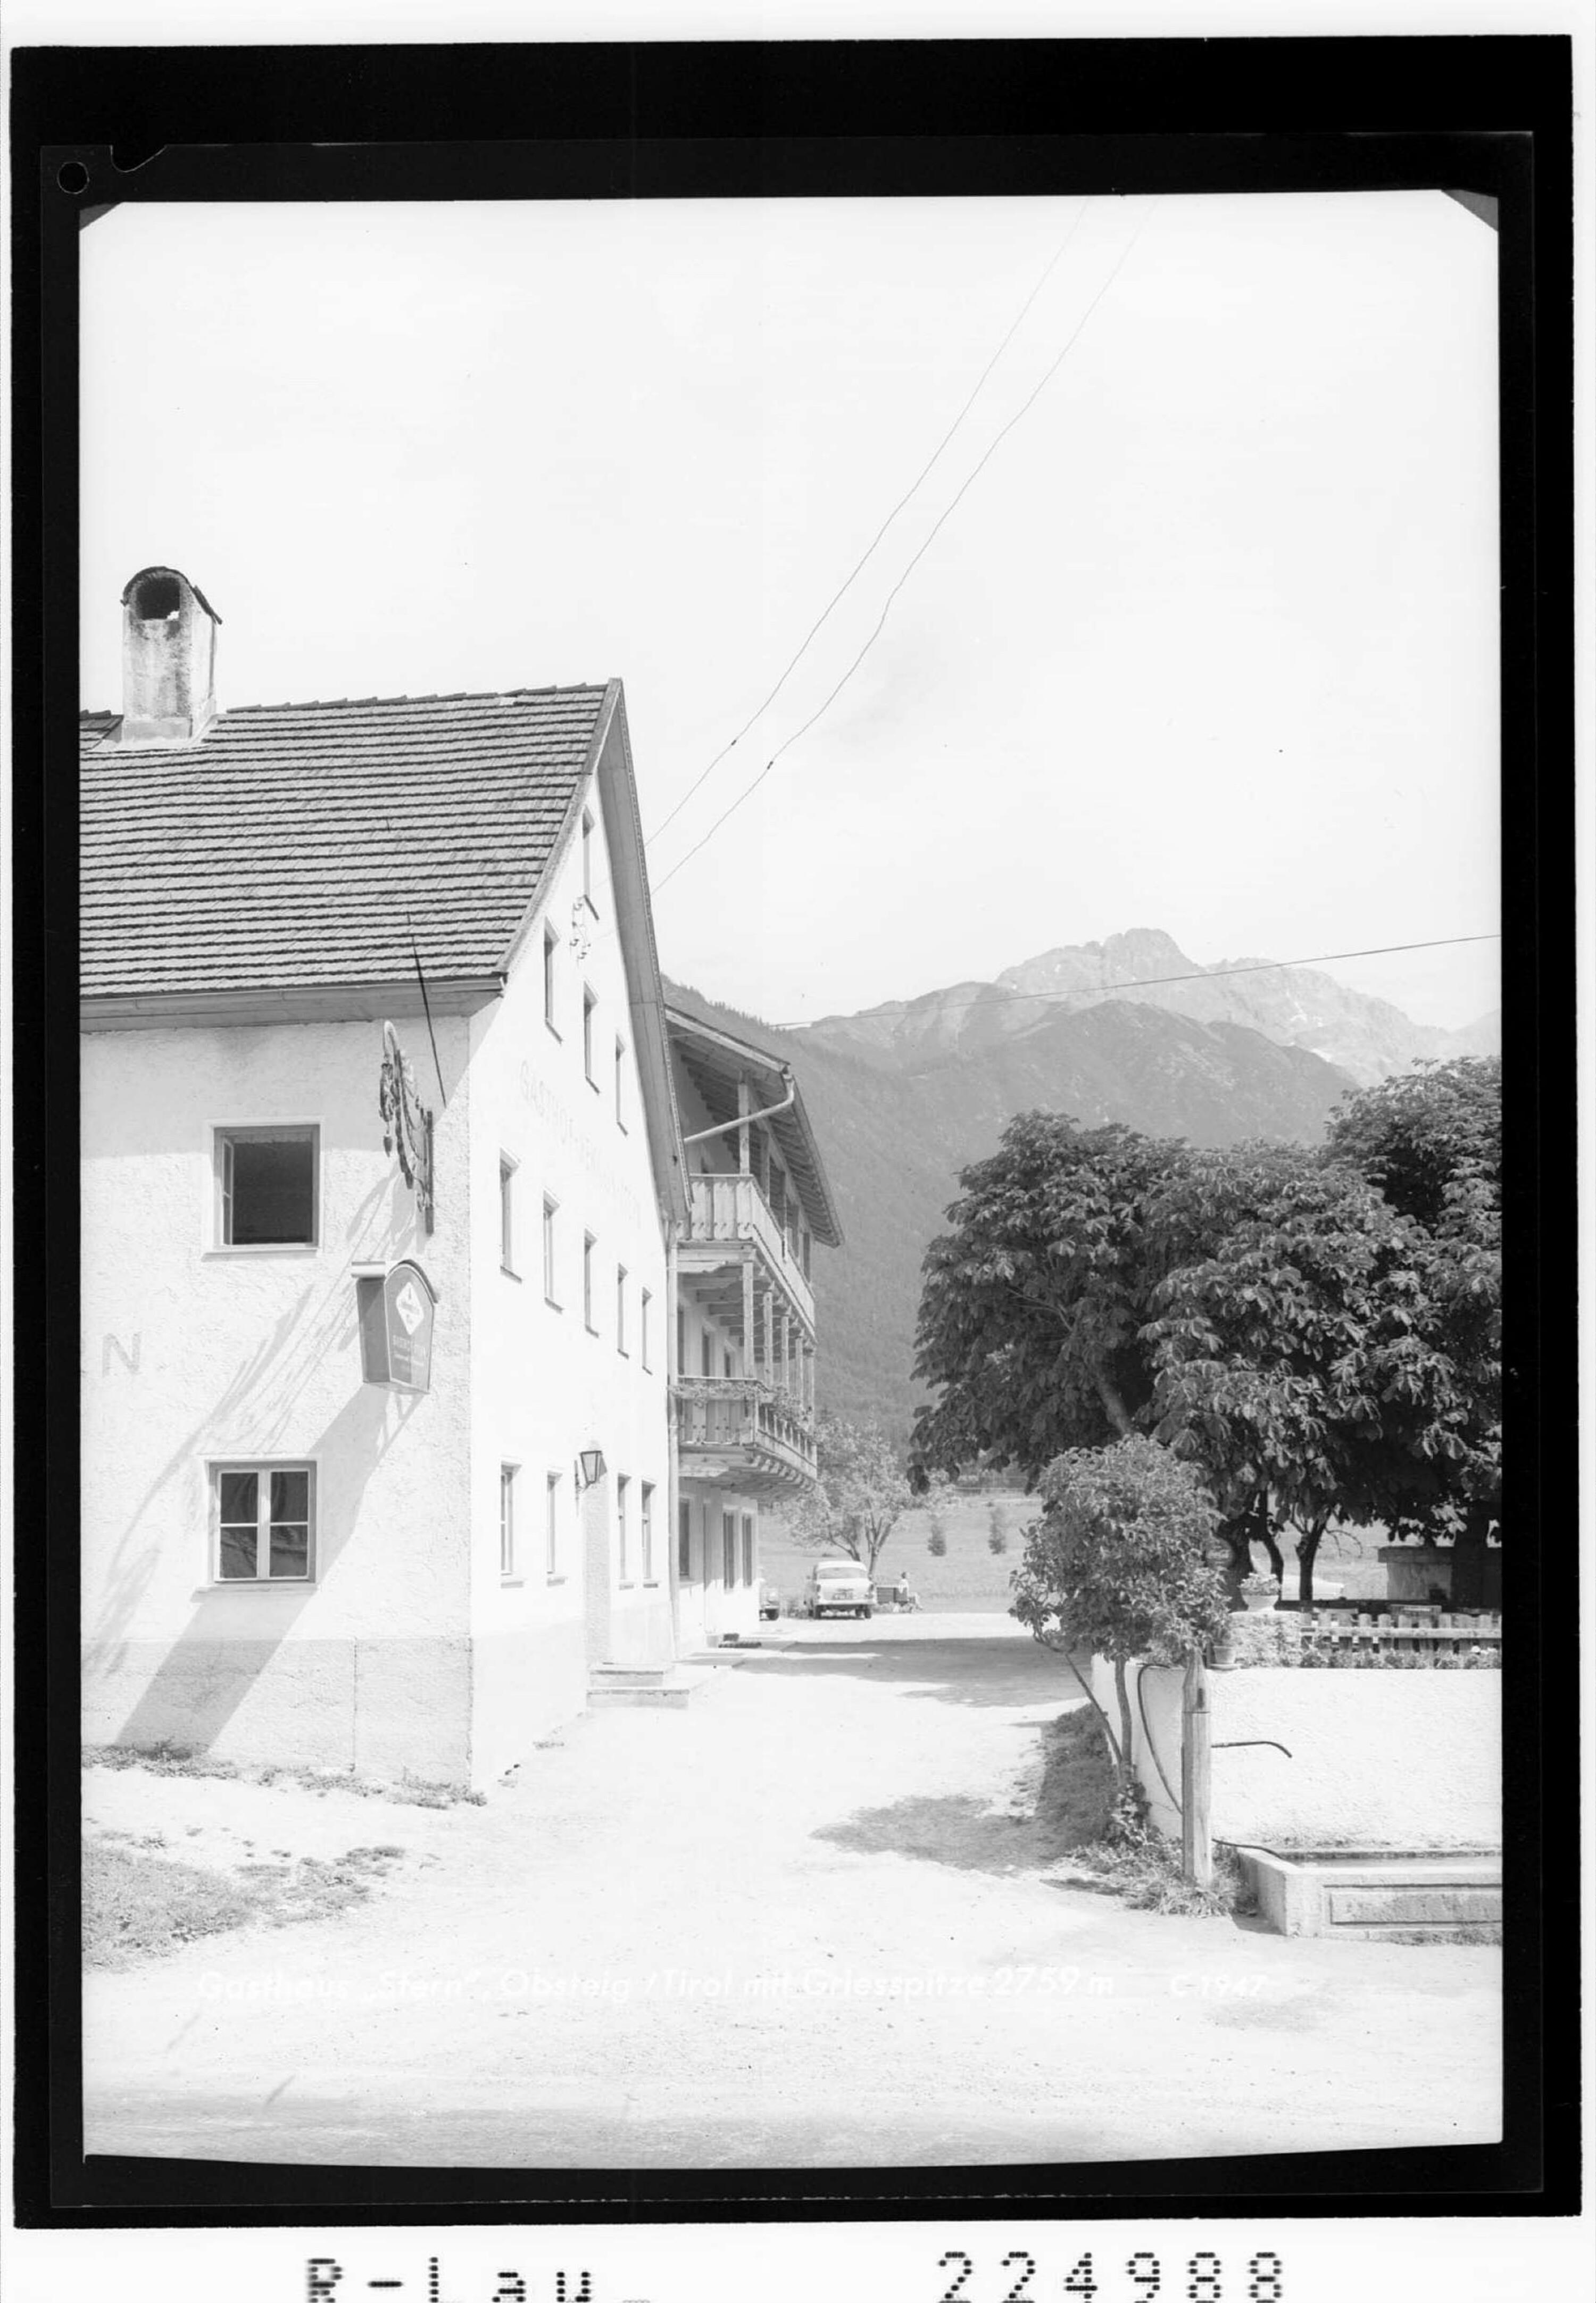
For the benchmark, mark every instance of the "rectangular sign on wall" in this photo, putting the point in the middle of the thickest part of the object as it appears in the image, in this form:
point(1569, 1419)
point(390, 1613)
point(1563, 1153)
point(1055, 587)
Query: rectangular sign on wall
point(396, 1314)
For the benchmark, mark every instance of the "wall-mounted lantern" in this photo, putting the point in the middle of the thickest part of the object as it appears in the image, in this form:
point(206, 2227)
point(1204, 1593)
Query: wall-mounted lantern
point(592, 1461)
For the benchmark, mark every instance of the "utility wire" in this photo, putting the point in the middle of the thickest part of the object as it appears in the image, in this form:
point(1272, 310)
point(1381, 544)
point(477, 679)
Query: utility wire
point(1139, 982)
point(922, 475)
point(1024, 406)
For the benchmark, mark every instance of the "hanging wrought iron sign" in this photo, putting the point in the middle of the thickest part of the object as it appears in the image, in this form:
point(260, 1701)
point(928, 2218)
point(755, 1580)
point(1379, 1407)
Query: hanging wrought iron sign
point(407, 1123)
point(396, 1314)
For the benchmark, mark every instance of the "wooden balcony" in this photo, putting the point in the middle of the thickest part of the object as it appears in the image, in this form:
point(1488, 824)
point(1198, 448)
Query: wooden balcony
point(728, 1213)
point(759, 1441)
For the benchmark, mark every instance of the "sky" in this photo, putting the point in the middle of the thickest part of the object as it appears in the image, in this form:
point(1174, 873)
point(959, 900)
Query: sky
point(1208, 643)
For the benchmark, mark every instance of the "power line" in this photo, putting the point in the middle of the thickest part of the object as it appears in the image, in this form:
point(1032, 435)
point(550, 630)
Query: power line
point(1024, 406)
point(1193, 975)
point(922, 475)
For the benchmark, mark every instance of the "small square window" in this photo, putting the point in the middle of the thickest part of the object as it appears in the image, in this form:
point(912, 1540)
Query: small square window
point(266, 1186)
point(264, 1521)
point(507, 1519)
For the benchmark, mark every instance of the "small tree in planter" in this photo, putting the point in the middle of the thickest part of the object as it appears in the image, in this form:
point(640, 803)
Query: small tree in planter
point(1118, 1565)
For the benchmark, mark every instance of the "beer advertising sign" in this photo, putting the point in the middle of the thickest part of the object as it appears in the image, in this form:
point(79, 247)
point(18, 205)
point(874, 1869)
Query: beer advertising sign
point(396, 1314)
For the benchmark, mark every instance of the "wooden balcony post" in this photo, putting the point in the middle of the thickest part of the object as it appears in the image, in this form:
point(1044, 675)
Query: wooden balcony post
point(744, 1106)
point(748, 1343)
point(770, 1335)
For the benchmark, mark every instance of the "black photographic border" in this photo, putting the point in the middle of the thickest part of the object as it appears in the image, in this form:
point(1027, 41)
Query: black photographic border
point(777, 119)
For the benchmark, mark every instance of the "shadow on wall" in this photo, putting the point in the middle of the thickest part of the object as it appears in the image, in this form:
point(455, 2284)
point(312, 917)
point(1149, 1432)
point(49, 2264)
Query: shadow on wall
point(205, 1673)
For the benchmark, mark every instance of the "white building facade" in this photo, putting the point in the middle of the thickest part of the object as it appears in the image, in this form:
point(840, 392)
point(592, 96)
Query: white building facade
point(287, 1556)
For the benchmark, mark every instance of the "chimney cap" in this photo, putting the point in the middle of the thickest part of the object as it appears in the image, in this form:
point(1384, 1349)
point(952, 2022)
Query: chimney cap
point(158, 570)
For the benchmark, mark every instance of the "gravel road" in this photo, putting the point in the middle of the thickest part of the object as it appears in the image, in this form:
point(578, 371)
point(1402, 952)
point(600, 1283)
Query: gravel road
point(809, 1920)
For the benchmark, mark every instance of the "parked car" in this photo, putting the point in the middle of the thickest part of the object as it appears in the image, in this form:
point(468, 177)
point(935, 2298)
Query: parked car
point(839, 1587)
point(770, 1603)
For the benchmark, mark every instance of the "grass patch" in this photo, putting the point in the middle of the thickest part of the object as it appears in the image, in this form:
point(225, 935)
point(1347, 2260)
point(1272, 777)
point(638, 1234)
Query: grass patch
point(1149, 1878)
point(169, 1758)
point(137, 1905)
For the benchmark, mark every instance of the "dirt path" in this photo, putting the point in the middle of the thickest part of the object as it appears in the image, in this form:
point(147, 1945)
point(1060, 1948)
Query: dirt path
point(806, 1922)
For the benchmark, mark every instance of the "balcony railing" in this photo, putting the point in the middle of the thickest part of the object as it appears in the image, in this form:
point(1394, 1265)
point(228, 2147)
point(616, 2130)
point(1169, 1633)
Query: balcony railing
point(764, 1435)
point(727, 1210)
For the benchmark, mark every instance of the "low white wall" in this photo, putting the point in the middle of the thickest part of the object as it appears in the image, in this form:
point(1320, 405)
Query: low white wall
point(1378, 1759)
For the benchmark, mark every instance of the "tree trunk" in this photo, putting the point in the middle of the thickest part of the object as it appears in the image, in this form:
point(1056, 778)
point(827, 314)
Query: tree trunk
point(1266, 1536)
point(1126, 1770)
point(1113, 1404)
point(1307, 1551)
point(1468, 1562)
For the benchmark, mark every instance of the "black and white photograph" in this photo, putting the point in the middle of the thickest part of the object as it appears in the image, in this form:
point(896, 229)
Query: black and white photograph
point(801, 883)
point(791, 1127)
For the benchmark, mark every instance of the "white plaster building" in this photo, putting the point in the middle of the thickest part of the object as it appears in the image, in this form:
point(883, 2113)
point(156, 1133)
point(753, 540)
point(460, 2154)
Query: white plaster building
point(283, 1559)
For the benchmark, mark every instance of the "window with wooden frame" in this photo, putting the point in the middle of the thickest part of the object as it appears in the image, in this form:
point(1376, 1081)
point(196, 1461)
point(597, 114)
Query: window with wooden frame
point(551, 946)
point(706, 1353)
point(728, 1549)
point(622, 1496)
point(645, 1530)
point(507, 1520)
point(266, 1186)
point(264, 1523)
point(681, 1339)
point(550, 1294)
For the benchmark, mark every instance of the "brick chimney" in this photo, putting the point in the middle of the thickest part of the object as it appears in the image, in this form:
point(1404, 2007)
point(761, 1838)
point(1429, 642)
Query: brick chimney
point(168, 658)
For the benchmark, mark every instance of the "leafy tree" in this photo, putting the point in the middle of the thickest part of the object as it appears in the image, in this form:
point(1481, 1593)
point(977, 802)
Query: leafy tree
point(861, 1494)
point(936, 1543)
point(1431, 1142)
point(1118, 1565)
point(997, 1528)
point(1032, 1303)
point(1294, 1363)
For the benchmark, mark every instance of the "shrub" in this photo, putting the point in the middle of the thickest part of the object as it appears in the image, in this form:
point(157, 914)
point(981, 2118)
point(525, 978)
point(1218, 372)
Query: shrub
point(1118, 1565)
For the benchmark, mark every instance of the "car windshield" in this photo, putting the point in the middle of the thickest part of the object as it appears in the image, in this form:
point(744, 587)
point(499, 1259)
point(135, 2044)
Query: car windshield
point(838, 1575)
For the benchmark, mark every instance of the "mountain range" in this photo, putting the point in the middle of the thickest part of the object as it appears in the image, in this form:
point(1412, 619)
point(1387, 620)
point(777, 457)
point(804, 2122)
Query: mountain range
point(903, 1096)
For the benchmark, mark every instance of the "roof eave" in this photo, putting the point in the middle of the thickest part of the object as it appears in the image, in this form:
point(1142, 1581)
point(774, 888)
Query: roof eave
point(302, 1003)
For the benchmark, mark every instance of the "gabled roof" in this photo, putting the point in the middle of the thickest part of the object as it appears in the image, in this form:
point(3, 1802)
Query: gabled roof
point(714, 1060)
point(296, 846)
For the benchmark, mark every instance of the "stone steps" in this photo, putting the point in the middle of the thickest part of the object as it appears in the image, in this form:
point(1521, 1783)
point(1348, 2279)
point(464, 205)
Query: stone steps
point(612, 1686)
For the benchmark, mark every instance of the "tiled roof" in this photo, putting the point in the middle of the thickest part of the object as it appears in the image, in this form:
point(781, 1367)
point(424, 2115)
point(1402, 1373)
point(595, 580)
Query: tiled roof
point(286, 847)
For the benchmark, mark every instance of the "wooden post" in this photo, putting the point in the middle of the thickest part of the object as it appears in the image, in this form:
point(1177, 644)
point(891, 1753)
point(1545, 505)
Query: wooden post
point(748, 1341)
point(770, 1337)
point(1197, 1846)
point(744, 1104)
